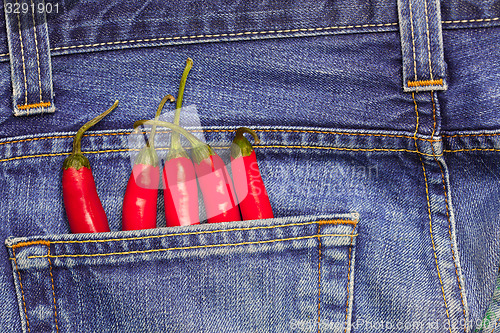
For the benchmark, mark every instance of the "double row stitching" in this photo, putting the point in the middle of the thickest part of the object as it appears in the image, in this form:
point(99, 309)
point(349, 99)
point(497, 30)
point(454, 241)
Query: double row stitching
point(348, 279)
point(447, 213)
point(22, 58)
point(22, 291)
point(413, 43)
point(37, 53)
point(430, 222)
point(53, 289)
point(319, 278)
point(258, 32)
point(191, 247)
point(319, 222)
point(220, 130)
point(428, 39)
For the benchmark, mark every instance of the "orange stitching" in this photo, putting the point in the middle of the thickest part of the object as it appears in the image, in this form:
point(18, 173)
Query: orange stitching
point(425, 83)
point(335, 221)
point(479, 134)
point(274, 146)
point(434, 119)
point(470, 149)
point(347, 149)
point(319, 278)
point(430, 222)
point(36, 105)
point(223, 130)
point(191, 247)
point(413, 42)
point(448, 215)
point(348, 280)
point(22, 291)
point(416, 127)
point(37, 53)
point(53, 289)
point(23, 244)
point(22, 57)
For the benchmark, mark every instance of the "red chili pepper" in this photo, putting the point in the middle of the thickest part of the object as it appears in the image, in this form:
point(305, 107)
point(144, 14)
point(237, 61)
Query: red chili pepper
point(180, 188)
point(81, 201)
point(250, 190)
point(215, 183)
point(141, 195)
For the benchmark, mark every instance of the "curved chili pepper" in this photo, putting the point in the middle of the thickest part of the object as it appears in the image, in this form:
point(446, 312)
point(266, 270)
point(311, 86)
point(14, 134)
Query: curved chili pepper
point(81, 201)
point(250, 190)
point(141, 195)
point(180, 188)
point(214, 180)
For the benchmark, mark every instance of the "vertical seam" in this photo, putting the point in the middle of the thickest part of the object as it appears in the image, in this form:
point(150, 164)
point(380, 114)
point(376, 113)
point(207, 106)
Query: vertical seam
point(22, 291)
point(22, 58)
point(416, 126)
point(413, 43)
point(428, 39)
point(447, 213)
point(430, 223)
point(37, 52)
point(348, 281)
point(319, 278)
point(53, 289)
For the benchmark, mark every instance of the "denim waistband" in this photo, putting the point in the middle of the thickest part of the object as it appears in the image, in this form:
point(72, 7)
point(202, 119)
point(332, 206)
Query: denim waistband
point(84, 26)
point(15, 150)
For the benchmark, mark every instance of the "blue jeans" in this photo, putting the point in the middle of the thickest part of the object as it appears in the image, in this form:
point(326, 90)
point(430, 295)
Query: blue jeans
point(380, 139)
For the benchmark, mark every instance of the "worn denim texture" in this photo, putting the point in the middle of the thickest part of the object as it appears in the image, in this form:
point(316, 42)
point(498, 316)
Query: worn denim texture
point(322, 83)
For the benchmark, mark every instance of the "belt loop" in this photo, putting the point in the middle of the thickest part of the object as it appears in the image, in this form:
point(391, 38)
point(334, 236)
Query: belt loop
point(29, 51)
point(424, 68)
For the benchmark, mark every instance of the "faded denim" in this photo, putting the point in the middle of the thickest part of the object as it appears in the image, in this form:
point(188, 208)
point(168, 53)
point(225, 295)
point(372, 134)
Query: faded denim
point(323, 84)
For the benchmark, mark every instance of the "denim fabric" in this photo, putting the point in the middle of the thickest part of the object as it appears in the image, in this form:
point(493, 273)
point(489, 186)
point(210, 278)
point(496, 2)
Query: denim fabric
point(322, 83)
point(272, 271)
point(29, 54)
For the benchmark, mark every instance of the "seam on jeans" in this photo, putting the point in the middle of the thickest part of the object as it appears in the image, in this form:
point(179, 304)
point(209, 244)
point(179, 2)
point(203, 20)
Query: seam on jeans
point(226, 35)
point(416, 126)
point(495, 326)
point(29, 106)
point(433, 120)
point(22, 291)
point(413, 43)
point(319, 222)
point(37, 52)
point(23, 244)
point(261, 32)
point(471, 149)
point(192, 247)
point(319, 279)
point(423, 83)
point(430, 222)
point(53, 289)
point(448, 214)
point(428, 39)
point(472, 20)
point(273, 146)
point(220, 130)
point(22, 58)
point(479, 134)
point(348, 280)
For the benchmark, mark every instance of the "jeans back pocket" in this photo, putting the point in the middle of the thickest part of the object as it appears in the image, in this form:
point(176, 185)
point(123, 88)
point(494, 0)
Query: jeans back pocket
point(274, 275)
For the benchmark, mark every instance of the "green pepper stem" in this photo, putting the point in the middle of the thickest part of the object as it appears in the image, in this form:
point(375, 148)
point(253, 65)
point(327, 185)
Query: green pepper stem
point(176, 140)
point(194, 141)
point(241, 130)
point(77, 141)
point(151, 140)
